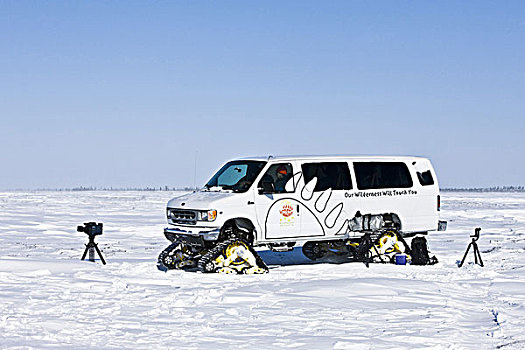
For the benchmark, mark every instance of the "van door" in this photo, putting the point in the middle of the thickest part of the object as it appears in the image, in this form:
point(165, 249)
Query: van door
point(278, 212)
point(385, 187)
point(324, 186)
point(426, 214)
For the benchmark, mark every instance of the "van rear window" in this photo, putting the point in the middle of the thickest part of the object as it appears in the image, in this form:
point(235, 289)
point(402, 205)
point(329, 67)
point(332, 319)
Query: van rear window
point(329, 175)
point(376, 175)
point(425, 178)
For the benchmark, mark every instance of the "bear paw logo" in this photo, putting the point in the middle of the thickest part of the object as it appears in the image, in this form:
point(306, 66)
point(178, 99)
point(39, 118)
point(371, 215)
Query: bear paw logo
point(319, 202)
point(319, 215)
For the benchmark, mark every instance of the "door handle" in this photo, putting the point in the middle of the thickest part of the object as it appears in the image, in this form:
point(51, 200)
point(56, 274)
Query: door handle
point(297, 209)
point(250, 202)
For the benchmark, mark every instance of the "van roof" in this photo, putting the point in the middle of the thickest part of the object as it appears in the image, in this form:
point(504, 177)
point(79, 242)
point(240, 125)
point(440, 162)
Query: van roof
point(336, 156)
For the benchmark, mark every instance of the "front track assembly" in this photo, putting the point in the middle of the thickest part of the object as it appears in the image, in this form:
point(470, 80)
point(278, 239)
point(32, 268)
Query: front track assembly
point(177, 256)
point(233, 255)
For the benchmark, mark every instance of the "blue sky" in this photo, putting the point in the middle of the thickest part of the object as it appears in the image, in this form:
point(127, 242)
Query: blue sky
point(129, 93)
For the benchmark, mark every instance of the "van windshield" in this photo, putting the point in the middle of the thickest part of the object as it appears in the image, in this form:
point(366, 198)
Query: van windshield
point(237, 175)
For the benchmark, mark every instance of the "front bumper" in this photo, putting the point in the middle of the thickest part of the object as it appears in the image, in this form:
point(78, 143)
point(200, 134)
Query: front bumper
point(200, 233)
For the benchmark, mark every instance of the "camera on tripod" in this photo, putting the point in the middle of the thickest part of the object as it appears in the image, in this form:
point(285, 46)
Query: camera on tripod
point(91, 228)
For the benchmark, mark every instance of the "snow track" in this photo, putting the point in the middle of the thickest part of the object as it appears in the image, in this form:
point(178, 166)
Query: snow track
point(51, 299)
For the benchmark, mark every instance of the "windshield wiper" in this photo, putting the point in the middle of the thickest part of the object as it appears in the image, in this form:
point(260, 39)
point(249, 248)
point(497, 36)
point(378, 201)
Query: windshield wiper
point(218, 188)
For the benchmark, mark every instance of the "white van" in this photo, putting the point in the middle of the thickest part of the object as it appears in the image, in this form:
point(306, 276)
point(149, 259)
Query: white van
point(278, 201)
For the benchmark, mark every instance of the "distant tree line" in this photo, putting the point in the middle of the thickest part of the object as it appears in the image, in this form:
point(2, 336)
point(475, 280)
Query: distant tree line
point(188, 188)
point(147, 188)
point(94, 188)
point(486, 189)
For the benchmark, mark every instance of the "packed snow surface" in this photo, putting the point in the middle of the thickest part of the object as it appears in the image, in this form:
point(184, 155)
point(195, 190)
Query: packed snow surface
point(50, 299)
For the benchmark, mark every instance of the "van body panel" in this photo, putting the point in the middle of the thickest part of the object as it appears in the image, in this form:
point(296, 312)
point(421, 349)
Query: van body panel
point(319, 208)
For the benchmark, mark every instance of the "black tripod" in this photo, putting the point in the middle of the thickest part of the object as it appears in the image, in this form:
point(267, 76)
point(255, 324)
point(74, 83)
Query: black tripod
point(477, 254)
point(363, 252)
point(92, 247)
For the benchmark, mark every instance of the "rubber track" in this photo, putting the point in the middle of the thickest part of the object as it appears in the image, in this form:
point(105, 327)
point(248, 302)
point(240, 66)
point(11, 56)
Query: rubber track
point(165, 252)
point(173, 246)
point(206, 264)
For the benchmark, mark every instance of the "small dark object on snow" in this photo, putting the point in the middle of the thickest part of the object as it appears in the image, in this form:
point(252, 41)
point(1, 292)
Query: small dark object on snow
point(92, 229)
point(419, 252)
point(363, 252)
point(477, 254)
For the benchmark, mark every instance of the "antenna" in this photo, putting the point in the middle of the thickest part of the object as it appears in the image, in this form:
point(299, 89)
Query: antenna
point(270, 157)
point(195, 171)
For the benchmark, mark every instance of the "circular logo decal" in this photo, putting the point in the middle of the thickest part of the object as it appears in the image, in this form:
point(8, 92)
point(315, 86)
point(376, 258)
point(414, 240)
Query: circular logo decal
point(286, 211)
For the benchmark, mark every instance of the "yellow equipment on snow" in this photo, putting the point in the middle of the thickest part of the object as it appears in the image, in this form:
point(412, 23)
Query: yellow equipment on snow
point(233, 256)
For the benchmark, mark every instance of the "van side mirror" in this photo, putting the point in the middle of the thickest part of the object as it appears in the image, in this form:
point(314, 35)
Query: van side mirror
point(266, 187)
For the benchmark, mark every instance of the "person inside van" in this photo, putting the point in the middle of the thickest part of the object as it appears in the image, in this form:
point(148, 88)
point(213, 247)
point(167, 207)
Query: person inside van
point(281, 177)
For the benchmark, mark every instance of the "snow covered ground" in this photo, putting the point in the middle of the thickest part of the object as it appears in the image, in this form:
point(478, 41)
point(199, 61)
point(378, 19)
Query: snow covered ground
point(50, 299)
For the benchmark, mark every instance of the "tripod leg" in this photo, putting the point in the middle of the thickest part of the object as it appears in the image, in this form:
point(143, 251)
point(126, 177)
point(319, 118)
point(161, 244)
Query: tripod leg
point(363, 249)
point(367, 259)
point(465, 256)
point(475, 248)
point(368, 254)
point(100, 254)
point(85, 252)
point(405, 244)
point(480, 261)
point(478, 255)
point(377, 252)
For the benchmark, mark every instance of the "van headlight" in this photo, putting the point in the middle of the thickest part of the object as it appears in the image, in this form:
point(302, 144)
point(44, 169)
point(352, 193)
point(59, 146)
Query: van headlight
point(207, 215)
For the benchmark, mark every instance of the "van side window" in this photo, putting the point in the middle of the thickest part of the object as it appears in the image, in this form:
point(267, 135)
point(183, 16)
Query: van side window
point(275, 178)
point(425, 178)
point(376, 175)
point(329, 175)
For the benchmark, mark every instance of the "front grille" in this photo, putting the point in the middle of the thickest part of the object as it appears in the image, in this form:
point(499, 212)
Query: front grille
point(180, 216)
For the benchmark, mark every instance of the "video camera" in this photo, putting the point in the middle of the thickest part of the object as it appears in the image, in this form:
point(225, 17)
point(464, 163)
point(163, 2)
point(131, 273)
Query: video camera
point(91, 228)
